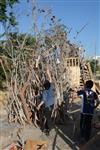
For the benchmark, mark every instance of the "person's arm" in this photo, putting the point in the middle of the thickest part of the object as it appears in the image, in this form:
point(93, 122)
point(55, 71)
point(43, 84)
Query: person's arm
point(79, 93)
point(44, 97)
point(48, 74)
point(39, 106)
point(96, 100)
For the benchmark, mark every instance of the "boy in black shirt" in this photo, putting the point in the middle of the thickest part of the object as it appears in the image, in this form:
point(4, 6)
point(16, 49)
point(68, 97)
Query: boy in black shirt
point(89, 103)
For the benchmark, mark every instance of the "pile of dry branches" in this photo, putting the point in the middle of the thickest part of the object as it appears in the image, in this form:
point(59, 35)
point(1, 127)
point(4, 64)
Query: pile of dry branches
point(28, 68)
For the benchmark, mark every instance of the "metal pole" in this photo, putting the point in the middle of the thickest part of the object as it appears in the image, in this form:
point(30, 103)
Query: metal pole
point(95, 62)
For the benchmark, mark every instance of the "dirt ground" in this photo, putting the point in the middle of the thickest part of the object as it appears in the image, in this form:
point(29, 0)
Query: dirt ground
point(62, 137)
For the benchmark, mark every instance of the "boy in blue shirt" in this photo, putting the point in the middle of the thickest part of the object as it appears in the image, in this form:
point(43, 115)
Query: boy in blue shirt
point(89, 103)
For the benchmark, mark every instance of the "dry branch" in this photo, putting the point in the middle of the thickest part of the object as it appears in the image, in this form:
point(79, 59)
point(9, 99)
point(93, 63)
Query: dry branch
point(22, 94)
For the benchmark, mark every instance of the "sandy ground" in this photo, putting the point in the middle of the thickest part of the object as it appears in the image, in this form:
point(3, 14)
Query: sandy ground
point(62, 137)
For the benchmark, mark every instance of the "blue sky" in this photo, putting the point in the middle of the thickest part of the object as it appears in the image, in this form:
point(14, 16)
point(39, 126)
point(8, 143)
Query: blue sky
point(74, 14)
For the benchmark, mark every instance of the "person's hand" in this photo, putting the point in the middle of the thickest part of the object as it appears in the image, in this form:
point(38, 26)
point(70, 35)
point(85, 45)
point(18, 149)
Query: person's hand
point(39, 106)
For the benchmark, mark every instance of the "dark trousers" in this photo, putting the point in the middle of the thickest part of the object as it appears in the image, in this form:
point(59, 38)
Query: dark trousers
point(85, 126)
point(48, 119)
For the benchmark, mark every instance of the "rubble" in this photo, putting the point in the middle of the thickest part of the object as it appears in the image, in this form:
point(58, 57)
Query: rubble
point(30, 145)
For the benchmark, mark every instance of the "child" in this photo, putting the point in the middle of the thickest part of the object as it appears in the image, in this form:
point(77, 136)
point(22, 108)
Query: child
point(89, 103)
point(48, 102)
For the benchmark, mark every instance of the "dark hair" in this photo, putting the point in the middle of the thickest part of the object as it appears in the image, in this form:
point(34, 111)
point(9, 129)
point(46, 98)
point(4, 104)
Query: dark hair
point(89, 84)
point(46, 84)
point(36, 90)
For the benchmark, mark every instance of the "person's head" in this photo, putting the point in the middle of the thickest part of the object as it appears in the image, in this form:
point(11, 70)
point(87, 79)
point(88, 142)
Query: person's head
point(89, 84)
point(46, 84)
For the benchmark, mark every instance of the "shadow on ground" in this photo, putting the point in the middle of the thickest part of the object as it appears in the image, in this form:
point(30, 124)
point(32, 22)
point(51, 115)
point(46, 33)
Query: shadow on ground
point(70, 132)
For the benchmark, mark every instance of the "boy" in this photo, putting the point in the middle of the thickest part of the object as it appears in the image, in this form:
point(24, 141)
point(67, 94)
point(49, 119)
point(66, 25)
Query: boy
point(48, 102)
point(89, 103)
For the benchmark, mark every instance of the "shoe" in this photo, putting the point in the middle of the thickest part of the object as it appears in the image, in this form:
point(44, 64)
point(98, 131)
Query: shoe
point(46, 131)
point(81, 141)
